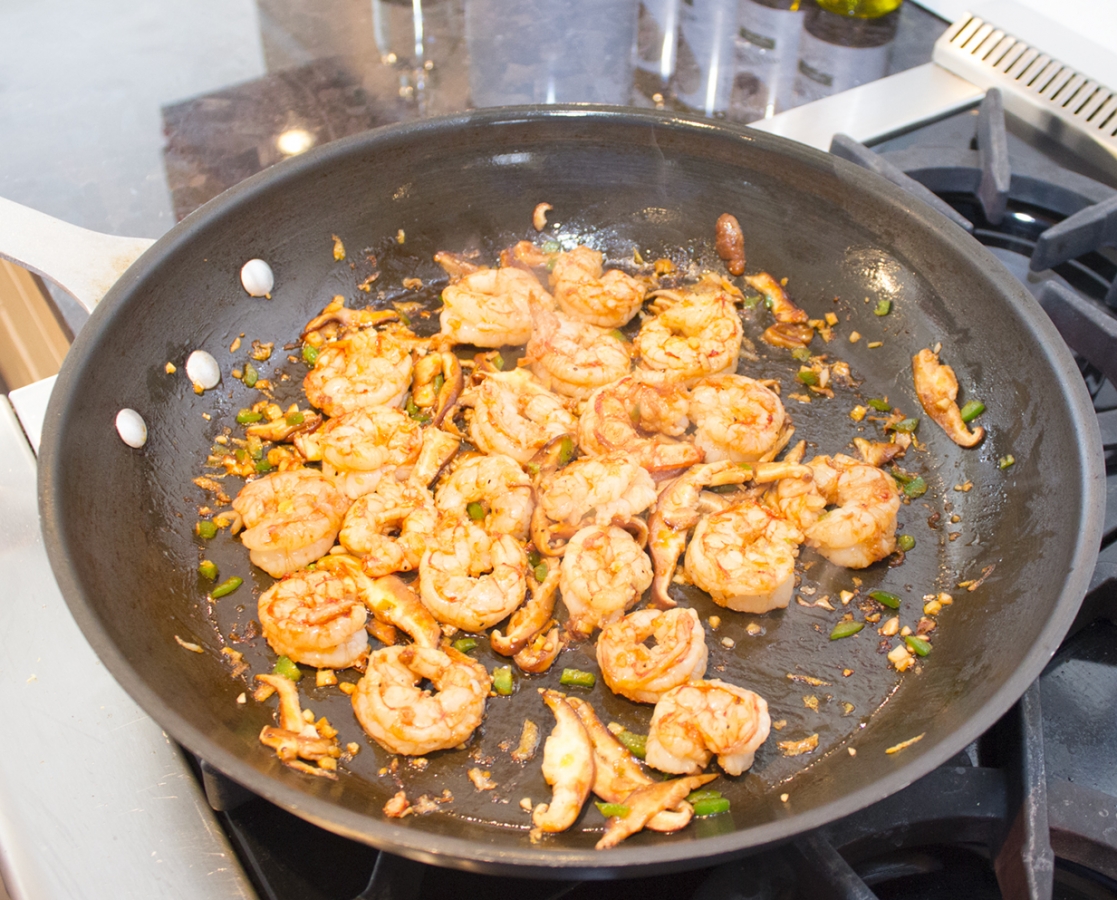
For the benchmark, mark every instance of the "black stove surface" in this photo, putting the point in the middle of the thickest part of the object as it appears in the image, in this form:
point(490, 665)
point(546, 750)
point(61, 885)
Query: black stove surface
point(1028, 810)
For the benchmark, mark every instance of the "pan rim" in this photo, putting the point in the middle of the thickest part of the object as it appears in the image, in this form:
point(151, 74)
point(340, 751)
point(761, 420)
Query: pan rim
point(469, 854)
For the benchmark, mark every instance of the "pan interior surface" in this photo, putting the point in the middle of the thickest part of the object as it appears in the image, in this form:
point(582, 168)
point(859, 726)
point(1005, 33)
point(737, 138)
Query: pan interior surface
point(120, 522)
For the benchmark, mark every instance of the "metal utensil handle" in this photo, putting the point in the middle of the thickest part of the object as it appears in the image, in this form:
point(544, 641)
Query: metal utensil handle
point(84, 263)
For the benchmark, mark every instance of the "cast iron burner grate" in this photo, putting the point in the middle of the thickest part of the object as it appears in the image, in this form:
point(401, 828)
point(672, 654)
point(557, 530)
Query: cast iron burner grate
point(1027, 811)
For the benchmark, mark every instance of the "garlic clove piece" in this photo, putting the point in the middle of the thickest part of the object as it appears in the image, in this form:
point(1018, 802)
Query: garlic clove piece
point(202, 370)
point(257, 278)
point(131, 427)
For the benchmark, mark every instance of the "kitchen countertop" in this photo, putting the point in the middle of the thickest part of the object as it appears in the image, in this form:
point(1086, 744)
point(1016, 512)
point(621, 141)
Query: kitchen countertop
point(123, 117)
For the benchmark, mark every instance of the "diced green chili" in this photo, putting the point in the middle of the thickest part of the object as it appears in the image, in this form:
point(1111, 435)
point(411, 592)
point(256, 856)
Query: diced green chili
point(534, 558)
point(476, 511)
point(207, 570)
point(255, 448)
point(702, 794)
point(262, 466)
point(1005, 461)
point(310, 355)
point(419, 415)
point(404, 317)
point(502, 680)
point(226, 587)
point(886, 599)
point(439, 381)
point(807, 376)
point(465, 644)
point(619, 335)
point(972, 410)
point(566, 450)
point(498, 362)
point(845, 629)
point(905, 542)
point(551, 247)
point(241, 454)
point(287, 669)
point(295, 418)
point(918, 645)
point(205, 529)
point(540, 572)
point(905, 425)
point(713, 807)
point(801, 353)
point(725, 488)
point(608, 810)
point(247, 417)
point(879, 404)
point(577, 678)
point(533, 468)
point(637, 744)
point(750, 301)
point(251, 376)
point(917, 487)
point(883, 308)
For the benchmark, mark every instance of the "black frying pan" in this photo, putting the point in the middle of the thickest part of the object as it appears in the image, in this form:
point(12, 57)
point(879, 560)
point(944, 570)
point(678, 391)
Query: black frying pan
point(118, 522)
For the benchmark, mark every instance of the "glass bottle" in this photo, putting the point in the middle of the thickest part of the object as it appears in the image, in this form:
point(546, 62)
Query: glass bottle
point(845, 43)
point(706, 61)
point(657, 26)
point(767, 52)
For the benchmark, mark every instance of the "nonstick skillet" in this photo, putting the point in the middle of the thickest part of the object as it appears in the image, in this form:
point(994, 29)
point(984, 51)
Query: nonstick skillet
point(119, 522)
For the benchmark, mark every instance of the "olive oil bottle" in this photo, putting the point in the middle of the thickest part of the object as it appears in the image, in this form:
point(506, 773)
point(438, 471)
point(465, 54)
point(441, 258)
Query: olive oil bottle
point(845, 43)
point(767, 52)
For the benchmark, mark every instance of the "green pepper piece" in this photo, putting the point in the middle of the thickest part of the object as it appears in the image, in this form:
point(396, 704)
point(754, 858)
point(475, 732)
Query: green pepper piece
point(540, 572)
point(286, 668)
point(917, 644)
point(534, 558)
point(207, 570)
point(807, 376)
point(610, 810)
point(226, 587)
point(1006, 461)
point(916, 487)
point(205, 529)
point(566, 450)
point(295, 418)
point(262, 466)
point(310, 355)
point(905, 542)
point(577, 678)
point(637, 744)
point(465, 644)
point(619, 335)
point(476, 511)
point(905, 425)
point(502, 680)
point(883, 308)
point(551, 247)
point(972, 410)
point(886, 599)
point(714, 807)
point(247, 417)
point(879, 404)
point(251, 376)
point(439, 381)
point(845, 629)
point(498, 363)
point(801, 353)
point(702, 794)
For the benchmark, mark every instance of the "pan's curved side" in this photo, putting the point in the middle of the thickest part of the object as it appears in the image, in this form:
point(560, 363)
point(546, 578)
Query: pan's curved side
point(125, 562)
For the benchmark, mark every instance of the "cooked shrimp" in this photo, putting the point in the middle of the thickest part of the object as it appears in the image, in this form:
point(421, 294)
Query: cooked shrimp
point(515, 415)
point(937, 388)
point(694, 722)
point(369, 368)
point(599, 490)
point(639, 416)
point(376, 527)
point(493, 491)
point(403, 718)
point(616, 774)
point(470, 580)
point(574, 358)
point(604, 572)
point(315, 617)
point(634, 670)
point(490, 307)
point(694, 333)
point(291, 519)
point(744, 558)
point(567, 767)
point(678, 511)
point(583, 293)
point(360, 447)
point(738, 419)
point(862, 528)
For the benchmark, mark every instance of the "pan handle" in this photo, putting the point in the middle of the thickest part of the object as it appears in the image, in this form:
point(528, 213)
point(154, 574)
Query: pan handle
point(84, 263)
